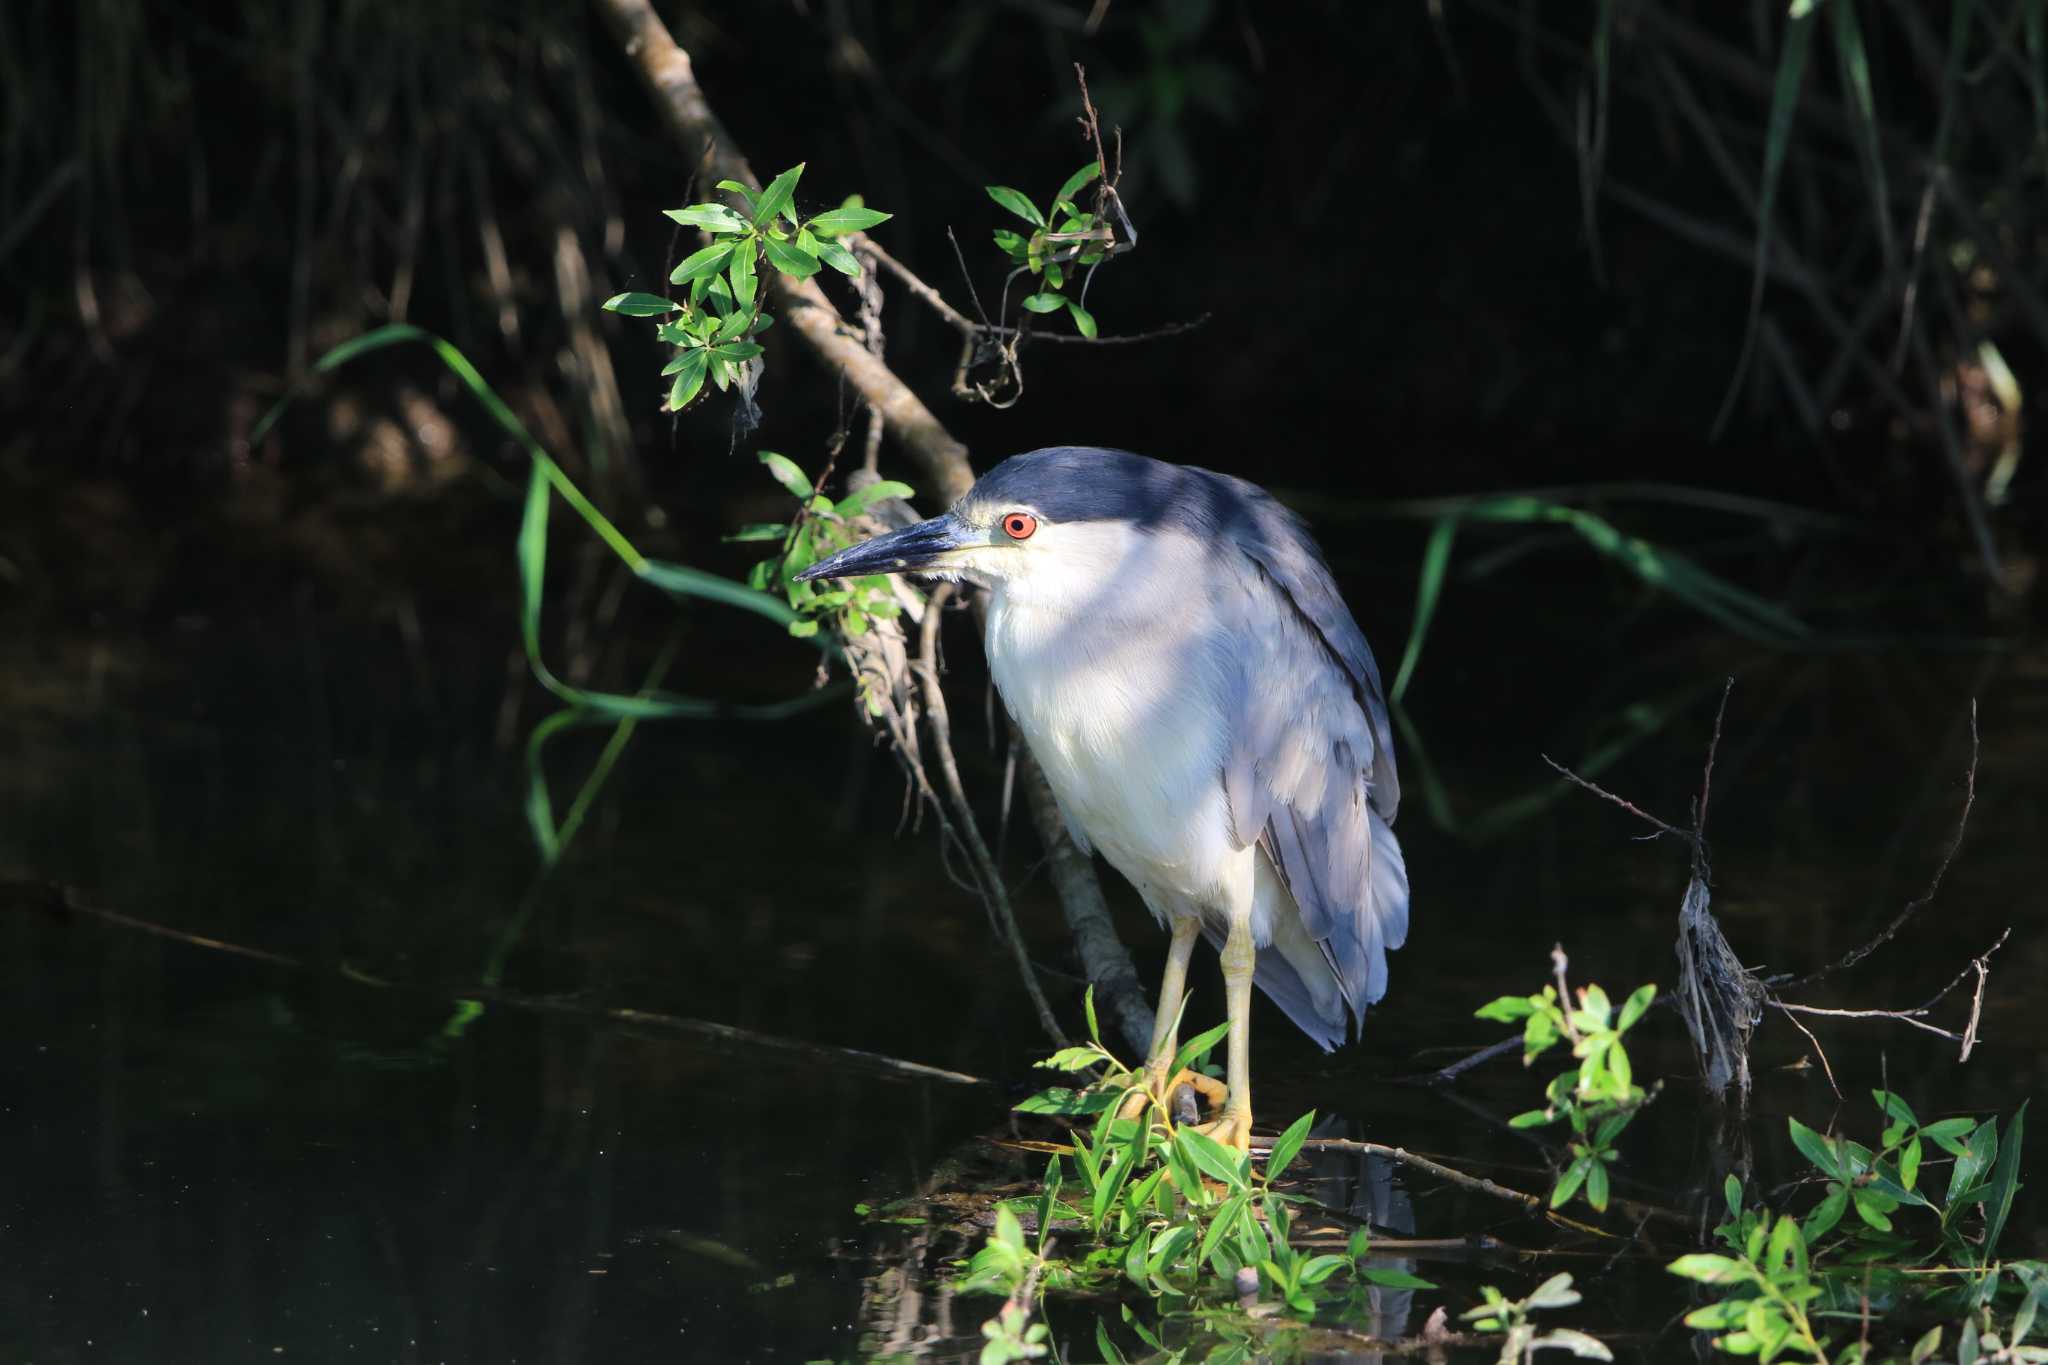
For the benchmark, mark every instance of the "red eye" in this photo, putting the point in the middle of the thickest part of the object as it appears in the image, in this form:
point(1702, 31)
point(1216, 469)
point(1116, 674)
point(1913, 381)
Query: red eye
point(1019, 525)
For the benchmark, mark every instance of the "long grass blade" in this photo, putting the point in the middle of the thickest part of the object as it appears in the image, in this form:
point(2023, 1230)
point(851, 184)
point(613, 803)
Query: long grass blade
point(1436, 560)
point(1593, 135)
point(1853, 62)
point(1785, 89)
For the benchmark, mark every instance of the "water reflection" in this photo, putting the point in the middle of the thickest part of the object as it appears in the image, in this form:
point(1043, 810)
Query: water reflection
point(216, 1156)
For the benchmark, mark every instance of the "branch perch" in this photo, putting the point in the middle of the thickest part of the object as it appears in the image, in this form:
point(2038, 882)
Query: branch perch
point(940, 458)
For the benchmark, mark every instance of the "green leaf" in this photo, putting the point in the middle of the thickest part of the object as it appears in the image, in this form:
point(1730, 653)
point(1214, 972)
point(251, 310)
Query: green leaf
point(790, 259)
point(803, 630)
point(1869, 1208)
point(775, 199)
point(1975, 1159)
point(689, 367)
point(1948, 1134)
point(1785, 88)
point(702, 264)
point(744, 283)
point(850, 218)
point(1047, 302)
point(1827, 1213)
point(1288, 1144)
point(1817, 1149)
point(1079, 178)
point(1010, 243)
point(1731, 1190)
point(1708, 1268)
point(1892, 1104)
point(2005, 1182)
point(787, 473)
point(1208, 1157)
point(737, 350)
point(1084, 321)
point(680, 580)
point(1632, 1009)
point(711, 217)
point(1596, 1184)
point(855, 503)
point(1061, 1100)
point(1506, 1010)
point(1568, 1183)
point(1534, 1118)
point(1555, 1292)
point(839, 258)
point(1196, 1046)
point(639, 305)
point(1017, 203)
point(735, 187)
point(1221, 1224)
point(1071, 1059)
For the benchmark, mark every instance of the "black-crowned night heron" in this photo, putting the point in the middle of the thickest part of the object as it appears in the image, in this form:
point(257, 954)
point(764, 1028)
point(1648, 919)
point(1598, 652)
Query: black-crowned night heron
point(1171, 644)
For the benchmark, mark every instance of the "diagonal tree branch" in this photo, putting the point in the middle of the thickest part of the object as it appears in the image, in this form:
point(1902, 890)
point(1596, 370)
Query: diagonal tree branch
point(940, 458)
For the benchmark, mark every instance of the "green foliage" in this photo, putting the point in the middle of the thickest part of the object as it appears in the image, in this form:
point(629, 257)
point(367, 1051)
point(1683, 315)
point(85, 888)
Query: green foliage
point(1599, 1096)
point(1520, 1336)
point(821, 528)
point(1164, 1207)
point(1060, 240)
point(1658, 567)
point(714, 325)
point(1782, 1277)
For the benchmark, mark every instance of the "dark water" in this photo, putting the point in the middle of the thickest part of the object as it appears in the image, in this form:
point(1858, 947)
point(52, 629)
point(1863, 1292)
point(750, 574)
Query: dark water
point(210, 1157)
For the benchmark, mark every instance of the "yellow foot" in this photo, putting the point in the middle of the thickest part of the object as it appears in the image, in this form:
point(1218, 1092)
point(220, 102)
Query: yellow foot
point(1234, 1129)
point(1159, 1089)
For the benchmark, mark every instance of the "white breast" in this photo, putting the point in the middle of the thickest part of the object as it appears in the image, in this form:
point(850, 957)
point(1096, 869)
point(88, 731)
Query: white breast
point(1127, 718)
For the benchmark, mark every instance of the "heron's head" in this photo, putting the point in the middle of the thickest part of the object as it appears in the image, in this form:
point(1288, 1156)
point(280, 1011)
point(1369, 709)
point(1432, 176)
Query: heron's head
point(1049, 523)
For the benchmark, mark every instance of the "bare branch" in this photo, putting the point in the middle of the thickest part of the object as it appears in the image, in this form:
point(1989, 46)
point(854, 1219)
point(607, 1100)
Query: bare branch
point(987, 874)
point(1919, 903)
point(1663, 826)
point(941, 459)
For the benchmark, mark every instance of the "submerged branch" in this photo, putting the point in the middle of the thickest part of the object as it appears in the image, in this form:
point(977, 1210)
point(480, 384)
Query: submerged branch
point(1480, 1184)
point(66, 900)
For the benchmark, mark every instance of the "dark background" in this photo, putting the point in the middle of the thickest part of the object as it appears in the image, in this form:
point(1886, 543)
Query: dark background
point(271, 692)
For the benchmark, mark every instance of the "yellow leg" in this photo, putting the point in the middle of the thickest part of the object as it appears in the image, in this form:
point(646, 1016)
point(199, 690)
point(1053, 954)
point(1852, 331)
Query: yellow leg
point(1172, 984)
point(1166, 1026)
point(1234, 1128)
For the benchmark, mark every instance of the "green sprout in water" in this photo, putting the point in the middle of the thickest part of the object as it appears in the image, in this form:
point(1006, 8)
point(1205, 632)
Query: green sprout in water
point(1599, 1096)
point(1783, 1279)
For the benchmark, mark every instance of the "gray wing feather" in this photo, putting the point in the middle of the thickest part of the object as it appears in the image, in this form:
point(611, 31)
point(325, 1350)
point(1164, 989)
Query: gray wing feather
point(1310, 776)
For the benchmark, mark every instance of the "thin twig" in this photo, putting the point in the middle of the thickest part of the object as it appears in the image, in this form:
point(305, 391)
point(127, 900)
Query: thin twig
point(1446, 1074)
point(1699, 816)
point(1663, 826)
point(67, 900)
point(1919, 903)
point(1480, 1184)
point(1903, 1016)
point(1818, 1050)
point(989, 875)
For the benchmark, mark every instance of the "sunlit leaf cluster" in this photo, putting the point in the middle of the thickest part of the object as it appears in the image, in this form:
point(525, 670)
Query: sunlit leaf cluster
point(1784, 1279)
point(1057, 244)
point(1599, 1096)
point(714, 324)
